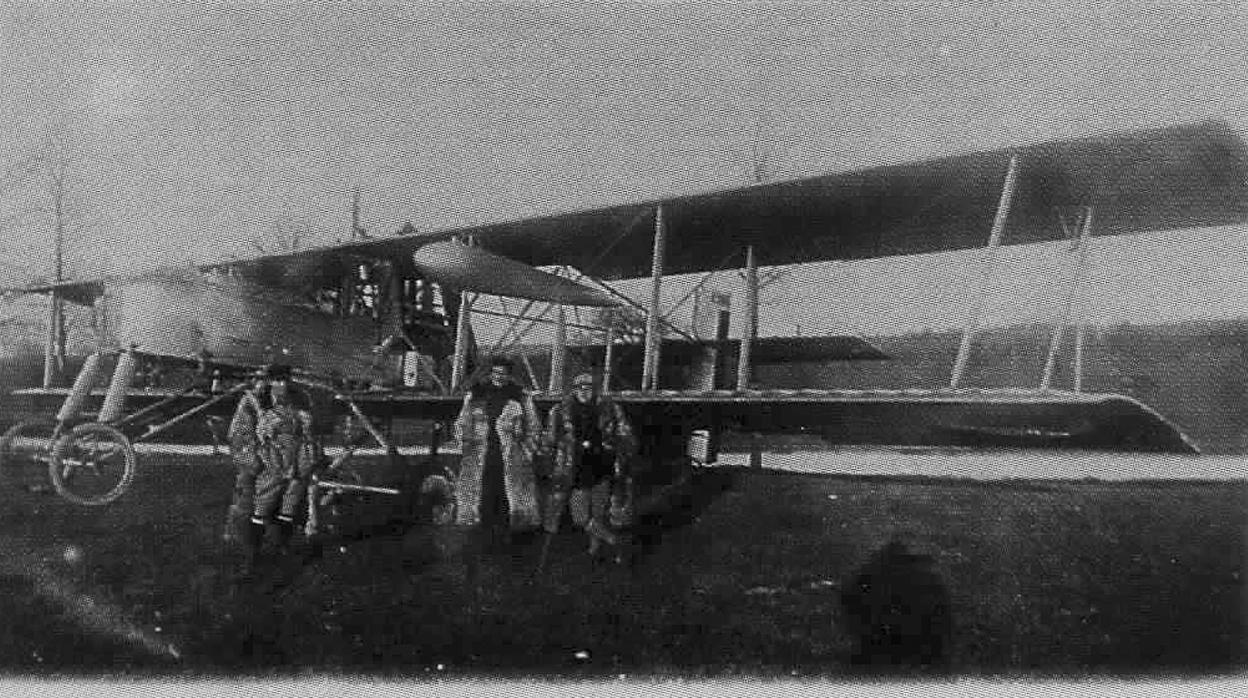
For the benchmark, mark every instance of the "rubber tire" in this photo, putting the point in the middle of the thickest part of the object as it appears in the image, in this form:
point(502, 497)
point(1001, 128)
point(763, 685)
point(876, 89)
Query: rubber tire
point(62, 446)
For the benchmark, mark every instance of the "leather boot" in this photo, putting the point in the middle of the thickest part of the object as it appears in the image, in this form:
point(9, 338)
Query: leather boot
point(285, 531)
point(233, 522)
point(596, 529)
point(253, 538)
point(273, 536)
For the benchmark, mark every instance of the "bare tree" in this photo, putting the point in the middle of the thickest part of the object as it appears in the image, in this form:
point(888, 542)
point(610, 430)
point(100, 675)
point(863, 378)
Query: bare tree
point(44, 192)
point(284, 237)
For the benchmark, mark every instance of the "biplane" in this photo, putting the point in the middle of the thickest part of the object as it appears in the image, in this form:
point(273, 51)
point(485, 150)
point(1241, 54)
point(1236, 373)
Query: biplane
point(383, 326)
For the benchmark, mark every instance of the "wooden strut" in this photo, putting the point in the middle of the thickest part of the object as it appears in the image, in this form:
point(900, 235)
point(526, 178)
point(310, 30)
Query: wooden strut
point(115, 398)
point(528, 368)
point(368, 425)
point(153, 431)
point(515, 322)
point(608, 357)
point(750, 331)
point(156, 407)
point(558, 352)
point(1080, 331)
point(606, 288)
point(541, 317)
point(83, 384)
point(650, 360)
point(461, 341)
point(1074, 289)
point(53, 354)
point(994, 242)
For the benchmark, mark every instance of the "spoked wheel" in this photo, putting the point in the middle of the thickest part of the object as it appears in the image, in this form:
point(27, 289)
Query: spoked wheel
point(92, 465)
point(437, 499)
point(24, 452)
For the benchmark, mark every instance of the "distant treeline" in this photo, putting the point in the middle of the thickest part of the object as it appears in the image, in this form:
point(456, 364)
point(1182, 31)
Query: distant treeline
point(1194, 373)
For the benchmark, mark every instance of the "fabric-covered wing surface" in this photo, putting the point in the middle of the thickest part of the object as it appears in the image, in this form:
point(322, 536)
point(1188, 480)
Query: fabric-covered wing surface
point(1183, 176)
point(1187, 176)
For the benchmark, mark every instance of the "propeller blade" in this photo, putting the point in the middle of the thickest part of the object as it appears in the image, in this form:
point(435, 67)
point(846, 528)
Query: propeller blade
point(477, 269)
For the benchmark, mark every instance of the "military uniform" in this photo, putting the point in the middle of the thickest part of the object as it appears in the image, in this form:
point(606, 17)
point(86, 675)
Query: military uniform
point(286, 453)
point(246, 460)
point(593, 444)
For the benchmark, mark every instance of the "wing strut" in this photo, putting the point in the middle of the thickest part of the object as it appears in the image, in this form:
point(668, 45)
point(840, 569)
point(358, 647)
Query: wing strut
point(650, 361)
point(609, 353)
point(460, 360)
point(1074, 289)
point(750, 332)
point(994, 242)
point(558, 352)
point(54, 350)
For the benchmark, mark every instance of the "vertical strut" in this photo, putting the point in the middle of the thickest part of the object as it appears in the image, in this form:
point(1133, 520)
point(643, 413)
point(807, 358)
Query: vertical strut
point(650, 361)
point(1076, 285)
point(608, 353)
point(750, 330)
point(1079, 332)
point(82, 388)
point(460, 359)
point(558, 352)
point(994, 242)
point(115, 399)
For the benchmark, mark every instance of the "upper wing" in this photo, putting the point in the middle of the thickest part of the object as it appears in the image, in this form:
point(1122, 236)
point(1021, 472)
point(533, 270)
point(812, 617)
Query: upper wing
point(1183, 176)
point(77, 291)
point(1141, 181)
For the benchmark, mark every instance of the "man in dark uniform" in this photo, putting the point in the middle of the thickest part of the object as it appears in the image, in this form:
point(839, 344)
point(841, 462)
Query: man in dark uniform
point(593, 443)
point(243, 445)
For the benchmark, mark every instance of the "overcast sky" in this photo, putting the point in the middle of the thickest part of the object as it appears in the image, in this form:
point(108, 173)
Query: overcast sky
point(197, 127)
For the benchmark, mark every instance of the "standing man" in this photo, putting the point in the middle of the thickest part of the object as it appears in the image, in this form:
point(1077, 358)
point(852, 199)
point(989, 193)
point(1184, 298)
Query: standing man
point(593, 443)
point(243, 453)
point(498, 430)
point(287, 451)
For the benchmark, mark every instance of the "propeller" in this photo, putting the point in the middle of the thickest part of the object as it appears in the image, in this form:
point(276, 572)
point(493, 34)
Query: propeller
point(477, 269)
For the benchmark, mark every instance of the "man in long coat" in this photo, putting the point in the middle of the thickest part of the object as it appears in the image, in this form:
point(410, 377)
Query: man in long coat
point(498, 429)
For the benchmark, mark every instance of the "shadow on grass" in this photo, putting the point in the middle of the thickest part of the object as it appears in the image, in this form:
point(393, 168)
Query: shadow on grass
point(897, 609)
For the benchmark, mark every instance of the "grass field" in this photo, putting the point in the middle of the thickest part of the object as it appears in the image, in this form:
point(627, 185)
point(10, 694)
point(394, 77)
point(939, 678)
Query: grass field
point(743, 575)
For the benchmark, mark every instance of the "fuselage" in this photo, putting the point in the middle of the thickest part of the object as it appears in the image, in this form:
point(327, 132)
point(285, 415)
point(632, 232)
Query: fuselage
point(1157, 283)
point(232, 321)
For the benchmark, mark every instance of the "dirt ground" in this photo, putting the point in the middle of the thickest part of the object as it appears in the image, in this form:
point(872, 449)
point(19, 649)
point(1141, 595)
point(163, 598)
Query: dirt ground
point(754, 573)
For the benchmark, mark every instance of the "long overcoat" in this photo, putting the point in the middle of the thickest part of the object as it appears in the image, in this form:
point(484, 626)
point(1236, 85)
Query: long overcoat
point(518, 428)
